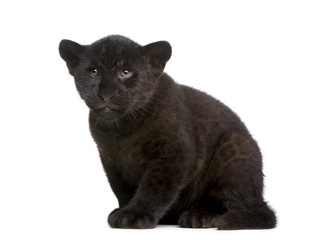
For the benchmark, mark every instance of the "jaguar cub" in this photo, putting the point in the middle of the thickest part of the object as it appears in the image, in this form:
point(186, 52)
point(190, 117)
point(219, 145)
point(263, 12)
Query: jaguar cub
point(172, 154)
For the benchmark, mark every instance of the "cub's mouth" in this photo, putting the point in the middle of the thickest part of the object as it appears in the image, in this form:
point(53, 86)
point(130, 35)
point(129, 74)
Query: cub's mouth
point(108, 112)
point(106, 107)
point(109, 109)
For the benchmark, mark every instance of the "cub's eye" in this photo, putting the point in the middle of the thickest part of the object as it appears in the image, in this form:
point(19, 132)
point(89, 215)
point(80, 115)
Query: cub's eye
point(93, 72)
point(126, 74)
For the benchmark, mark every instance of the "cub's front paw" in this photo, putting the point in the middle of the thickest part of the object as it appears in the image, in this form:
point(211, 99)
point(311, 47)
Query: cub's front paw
point(121, 218)
point(195, 218)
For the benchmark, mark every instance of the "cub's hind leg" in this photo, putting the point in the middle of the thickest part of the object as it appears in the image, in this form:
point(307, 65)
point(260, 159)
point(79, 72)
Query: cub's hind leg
point(239, 185)
point(234, 198)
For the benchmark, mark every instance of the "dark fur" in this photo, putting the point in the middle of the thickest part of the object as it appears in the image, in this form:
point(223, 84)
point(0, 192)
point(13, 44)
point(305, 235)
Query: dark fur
point(172, 154)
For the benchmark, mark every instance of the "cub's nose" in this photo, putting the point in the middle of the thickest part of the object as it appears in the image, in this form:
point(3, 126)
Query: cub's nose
point(106, 98)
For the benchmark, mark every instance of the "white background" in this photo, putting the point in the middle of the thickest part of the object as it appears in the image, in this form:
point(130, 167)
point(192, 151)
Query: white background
point(258, 57)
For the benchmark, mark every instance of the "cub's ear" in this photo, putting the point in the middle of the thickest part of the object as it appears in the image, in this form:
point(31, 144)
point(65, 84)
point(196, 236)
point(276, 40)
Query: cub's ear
point(71, 52)
point(158, 52)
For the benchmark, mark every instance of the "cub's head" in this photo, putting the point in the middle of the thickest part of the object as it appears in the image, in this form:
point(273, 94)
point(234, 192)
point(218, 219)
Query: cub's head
point(115, 76)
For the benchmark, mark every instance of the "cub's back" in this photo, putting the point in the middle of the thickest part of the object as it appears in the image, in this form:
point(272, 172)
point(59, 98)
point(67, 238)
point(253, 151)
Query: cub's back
point(210, 114)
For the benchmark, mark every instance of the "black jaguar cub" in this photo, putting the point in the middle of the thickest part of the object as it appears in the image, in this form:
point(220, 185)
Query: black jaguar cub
point(172, 154)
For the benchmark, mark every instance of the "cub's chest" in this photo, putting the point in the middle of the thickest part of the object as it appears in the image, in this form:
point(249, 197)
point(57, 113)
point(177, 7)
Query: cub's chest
point(126, 157)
